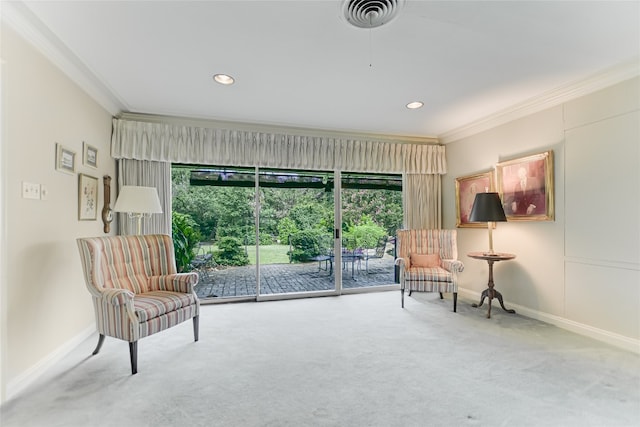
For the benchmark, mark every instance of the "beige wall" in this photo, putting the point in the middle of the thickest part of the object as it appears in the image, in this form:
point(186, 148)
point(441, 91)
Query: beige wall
point(45, 306)
point(581, 271)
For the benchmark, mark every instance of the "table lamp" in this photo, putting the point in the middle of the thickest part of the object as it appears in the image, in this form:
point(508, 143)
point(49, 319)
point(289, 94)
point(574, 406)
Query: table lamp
point(138, 202)
point(487, 207)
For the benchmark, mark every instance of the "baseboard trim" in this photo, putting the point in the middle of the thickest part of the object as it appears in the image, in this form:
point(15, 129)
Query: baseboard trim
point(608, 337)
point(31, 375)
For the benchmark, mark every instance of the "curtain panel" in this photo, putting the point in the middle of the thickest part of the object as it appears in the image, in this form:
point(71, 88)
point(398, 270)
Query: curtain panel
point(168, 142)
point(422, 201)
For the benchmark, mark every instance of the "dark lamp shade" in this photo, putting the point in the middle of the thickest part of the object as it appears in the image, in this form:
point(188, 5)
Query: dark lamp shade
point(487, 207)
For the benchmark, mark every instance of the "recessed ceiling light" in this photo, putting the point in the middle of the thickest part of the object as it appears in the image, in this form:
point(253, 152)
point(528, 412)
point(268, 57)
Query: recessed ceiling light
point(223, 79)
point(415, 104)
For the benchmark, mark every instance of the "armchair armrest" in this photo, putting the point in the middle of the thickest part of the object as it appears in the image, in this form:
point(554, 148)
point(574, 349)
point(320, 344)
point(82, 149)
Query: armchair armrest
point(178, 282)
point(453, 265)
point(402, 262)
point(116, 296)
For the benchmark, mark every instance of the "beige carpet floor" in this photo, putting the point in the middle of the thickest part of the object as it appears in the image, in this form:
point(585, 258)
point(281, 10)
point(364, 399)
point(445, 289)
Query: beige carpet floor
point(354, 360)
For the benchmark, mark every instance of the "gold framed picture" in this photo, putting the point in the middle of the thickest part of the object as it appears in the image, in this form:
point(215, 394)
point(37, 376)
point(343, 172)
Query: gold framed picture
point(87, 197)
point(466, 189)
point(65, 159)
point(526, 187)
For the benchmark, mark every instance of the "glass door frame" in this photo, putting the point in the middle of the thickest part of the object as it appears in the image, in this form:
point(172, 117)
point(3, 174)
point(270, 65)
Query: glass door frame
point(337, 232)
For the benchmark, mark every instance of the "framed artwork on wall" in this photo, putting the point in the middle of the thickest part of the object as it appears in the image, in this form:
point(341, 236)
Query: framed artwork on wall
point(526, 187)
point(90, 155)
point(466, 189)
point(87, 197)
point(65, 159)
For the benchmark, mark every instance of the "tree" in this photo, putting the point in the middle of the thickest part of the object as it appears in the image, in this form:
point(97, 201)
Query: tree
point(198, 202)
point(286, 227)
point(384, 207)
point(307, 215)
point(235, 211)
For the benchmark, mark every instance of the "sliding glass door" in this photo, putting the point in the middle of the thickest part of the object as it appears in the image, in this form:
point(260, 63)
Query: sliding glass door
point(296, 233)
point(272, 234)
point(371, 210)
point(219, 206)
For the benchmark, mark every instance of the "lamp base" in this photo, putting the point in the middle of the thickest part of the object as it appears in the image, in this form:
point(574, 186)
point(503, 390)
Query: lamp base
point(490, 228)
point(138, 220)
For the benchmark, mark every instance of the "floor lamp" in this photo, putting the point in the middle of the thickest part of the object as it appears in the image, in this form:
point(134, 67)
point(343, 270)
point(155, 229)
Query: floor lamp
point(487, 207)
point(138, 202)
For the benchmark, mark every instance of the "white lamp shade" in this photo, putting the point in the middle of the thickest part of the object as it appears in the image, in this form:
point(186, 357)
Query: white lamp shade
point(142, 200)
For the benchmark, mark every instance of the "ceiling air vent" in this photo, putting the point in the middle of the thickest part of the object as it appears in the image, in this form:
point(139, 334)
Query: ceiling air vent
point(370, 13)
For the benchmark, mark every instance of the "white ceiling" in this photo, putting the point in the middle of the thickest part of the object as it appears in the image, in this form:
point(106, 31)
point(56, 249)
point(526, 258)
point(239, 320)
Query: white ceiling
point(299, 63)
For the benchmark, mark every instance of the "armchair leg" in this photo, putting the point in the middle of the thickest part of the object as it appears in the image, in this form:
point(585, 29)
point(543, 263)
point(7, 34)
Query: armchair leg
point(133, 355)
point(455, 301)
point(402, 297)
point(196, 329)
point(99, 346)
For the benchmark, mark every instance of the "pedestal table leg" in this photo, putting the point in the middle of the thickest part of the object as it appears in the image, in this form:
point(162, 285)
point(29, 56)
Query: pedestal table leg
point(490, 293)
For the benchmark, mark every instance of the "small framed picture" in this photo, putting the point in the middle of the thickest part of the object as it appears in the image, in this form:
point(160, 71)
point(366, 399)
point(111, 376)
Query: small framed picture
point(526, 187)
point(65, 159)
point(90, 155)
point(87, 197)
point(466, 189)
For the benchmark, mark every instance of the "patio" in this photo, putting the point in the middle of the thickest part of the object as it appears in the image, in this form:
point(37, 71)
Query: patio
point(286, 278)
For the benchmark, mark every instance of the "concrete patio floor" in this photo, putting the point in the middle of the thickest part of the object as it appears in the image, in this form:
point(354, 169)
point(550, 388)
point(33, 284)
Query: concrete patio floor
point(233, 282)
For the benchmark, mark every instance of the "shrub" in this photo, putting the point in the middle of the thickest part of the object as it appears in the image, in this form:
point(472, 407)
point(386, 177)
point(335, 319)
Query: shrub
point(365, 235)
point(266, 239)
point(186, 237)
point(307, 244)
point(230, 252)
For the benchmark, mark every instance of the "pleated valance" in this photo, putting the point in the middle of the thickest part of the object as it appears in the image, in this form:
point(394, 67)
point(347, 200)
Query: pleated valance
point(176, 143)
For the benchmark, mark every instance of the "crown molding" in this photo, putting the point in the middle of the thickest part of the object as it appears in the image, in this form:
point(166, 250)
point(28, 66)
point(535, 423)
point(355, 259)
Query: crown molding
point(19, 17)
point(593, 83)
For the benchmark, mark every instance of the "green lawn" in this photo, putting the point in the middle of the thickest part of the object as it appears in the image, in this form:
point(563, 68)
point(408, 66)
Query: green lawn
point(269, 254)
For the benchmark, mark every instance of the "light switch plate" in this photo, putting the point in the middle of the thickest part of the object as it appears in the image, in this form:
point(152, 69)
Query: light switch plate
point(30, 191)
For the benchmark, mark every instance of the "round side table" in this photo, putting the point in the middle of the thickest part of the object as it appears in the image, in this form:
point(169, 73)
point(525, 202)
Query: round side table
point(490, 292)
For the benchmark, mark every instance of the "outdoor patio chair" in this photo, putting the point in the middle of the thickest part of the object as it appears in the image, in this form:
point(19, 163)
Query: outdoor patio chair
point(378, 252)
point(203, 264)
point(135, 288)
point(325, 253)
point(428, 262)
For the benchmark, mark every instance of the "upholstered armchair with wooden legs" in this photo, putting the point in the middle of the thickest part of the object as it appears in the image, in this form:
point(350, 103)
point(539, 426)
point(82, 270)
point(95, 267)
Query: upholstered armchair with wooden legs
point(428, 261)
point(136, 289)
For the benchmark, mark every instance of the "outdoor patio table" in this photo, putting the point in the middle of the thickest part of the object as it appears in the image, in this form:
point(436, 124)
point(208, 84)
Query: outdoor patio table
point(349, 256)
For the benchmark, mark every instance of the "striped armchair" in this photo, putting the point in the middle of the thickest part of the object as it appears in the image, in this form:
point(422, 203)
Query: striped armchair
point(135, 289)
point(428, 262)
